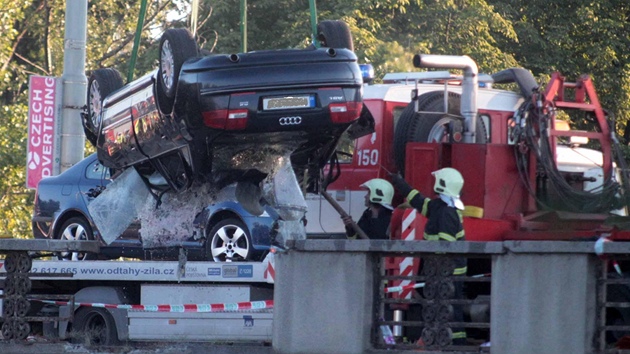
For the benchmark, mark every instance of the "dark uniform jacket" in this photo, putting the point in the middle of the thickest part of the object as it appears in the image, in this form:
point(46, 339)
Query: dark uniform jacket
point(375, 228)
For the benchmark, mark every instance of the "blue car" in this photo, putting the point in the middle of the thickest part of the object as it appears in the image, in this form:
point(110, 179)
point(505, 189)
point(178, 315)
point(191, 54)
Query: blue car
point(61, 212)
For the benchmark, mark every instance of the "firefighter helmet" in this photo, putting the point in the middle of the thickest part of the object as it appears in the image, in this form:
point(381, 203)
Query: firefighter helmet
point(381, 191)
point(448, 181)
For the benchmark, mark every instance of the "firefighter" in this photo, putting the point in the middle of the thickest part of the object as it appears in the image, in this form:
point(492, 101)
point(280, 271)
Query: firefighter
point(444, 223)
point(376, 218)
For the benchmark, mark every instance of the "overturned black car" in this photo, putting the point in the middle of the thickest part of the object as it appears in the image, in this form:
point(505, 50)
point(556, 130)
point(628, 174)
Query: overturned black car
point(220, 117)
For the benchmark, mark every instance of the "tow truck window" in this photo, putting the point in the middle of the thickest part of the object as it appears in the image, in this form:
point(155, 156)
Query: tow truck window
point(397, 112)
point(345, 148)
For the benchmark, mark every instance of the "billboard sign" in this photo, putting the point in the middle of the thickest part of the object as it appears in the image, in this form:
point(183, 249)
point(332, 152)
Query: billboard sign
point(43, 146)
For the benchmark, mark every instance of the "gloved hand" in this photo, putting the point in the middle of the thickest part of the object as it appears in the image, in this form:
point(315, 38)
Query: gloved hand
point(400, 184)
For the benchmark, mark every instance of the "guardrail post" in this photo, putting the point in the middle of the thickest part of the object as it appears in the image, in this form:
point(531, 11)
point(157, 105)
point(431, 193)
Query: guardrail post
point(543, 299)
point(323, 302)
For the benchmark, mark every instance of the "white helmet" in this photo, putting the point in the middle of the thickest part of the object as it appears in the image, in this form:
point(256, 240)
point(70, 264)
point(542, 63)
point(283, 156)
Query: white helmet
point(448, 181)
point(381, 191)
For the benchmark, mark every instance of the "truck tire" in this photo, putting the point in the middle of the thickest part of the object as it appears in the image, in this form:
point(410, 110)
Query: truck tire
point(430, 127)
point(94, 326)
point(176, 46)
point(229, 240)
point(102, 82)
point(75, 228)
point(402, 128)
point(334, 34)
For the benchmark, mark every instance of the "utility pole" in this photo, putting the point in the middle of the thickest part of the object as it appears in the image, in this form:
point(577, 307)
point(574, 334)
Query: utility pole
point(74, 83)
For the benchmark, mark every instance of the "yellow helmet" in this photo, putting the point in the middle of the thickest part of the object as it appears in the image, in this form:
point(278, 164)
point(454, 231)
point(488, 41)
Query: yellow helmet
point(448, 181)
point(381, 191)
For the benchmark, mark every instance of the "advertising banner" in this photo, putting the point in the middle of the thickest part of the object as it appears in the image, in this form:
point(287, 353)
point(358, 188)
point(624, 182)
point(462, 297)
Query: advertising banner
point(42, 151)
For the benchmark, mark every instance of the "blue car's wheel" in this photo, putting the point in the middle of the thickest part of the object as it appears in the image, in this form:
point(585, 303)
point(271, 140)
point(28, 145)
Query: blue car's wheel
point(229, 241)
point(75, 229)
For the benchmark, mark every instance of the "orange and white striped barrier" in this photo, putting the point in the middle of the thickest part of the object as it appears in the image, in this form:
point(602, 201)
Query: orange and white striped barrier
point(270, 270)
point(408, 266)
point(230, 307)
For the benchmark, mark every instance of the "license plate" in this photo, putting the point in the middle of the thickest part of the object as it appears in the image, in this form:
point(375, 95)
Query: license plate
point(288, 102)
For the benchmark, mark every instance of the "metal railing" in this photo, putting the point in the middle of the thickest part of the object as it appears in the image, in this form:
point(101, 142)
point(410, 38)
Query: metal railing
point(426, 306)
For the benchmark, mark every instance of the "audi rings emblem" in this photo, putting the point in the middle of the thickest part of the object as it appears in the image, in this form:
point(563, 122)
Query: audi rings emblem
point(290, 120)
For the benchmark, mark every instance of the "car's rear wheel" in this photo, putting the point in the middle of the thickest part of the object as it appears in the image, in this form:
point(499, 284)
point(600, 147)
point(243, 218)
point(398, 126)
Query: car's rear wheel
point(94, 327)
point(176, 46)
point(334, 34)
point(229, 240)
point(76, 229)
point(102, 82)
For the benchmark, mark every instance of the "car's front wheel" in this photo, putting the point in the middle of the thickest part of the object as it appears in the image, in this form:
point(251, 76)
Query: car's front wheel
point(75, 229)
point(228, 241)
point(176, 46)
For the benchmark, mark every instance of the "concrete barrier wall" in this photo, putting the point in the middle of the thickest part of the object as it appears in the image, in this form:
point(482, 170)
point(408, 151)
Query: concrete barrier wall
point(543, 303)
point(325, 302)
point(543, 293)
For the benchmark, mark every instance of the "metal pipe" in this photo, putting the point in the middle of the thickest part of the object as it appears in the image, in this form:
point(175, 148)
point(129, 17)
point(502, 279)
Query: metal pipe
point(398, 329)
point(313, 10)
point(136, 40)
point(469, 85)
point(243, 26)
point(343, 214)
point(74, 84)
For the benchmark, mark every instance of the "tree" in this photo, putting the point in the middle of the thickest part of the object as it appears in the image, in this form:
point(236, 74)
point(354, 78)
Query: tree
point(574, 38)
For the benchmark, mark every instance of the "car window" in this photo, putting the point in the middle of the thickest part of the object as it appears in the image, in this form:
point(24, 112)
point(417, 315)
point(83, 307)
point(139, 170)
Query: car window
point(97, 171)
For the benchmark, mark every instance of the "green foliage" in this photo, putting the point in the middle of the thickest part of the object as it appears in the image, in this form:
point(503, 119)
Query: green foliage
point(15, 199)
point(575, 38)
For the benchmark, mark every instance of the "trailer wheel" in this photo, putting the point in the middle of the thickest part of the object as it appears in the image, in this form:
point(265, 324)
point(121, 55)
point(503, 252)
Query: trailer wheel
point(422, 126)
point(94, 326)
point(229, 240)
point(102, 82)
point(176, 46)
point(76, 228)
point(334, 34)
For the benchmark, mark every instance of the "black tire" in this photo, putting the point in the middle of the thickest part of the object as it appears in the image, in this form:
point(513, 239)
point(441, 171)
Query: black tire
point(334, 34)
point(429, 127)
point(102, 82)
point(402, 129)
point(94, 326)
point(75, 228)
point(176, 46)
point(229, 240)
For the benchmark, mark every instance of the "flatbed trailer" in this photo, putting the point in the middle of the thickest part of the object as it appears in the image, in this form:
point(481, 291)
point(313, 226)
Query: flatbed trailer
point(109, 301)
